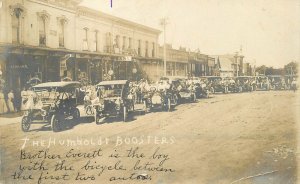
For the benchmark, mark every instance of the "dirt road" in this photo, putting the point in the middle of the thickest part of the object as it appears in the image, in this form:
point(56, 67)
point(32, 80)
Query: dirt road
point(234, 138)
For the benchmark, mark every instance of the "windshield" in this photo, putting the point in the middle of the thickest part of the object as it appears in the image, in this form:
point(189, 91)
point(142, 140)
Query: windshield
point(46, 94)
point(111, 90)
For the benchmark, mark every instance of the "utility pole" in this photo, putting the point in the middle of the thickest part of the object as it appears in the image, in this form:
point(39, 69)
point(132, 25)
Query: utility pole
point(164, 22)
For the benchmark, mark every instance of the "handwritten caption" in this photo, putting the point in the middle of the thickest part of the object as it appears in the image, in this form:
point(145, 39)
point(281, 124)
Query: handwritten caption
point(74, 165)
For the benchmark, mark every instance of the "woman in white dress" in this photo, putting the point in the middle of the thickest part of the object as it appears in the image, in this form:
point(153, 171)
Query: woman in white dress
point(30, 103)
point(3, 107)
point(24, 96)
point(10, 101)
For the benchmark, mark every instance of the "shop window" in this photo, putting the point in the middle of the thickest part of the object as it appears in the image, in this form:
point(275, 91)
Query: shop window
point(85, 39)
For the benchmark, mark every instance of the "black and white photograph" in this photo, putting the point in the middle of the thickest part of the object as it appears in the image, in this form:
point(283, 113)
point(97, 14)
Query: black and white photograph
point(149, 91)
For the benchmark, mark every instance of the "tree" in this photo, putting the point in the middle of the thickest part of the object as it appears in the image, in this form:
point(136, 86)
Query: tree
point(291, 68)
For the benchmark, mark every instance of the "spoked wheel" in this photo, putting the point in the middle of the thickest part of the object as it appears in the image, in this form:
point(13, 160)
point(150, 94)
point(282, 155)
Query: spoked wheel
point(175, 100)
point(56, 123)
point(25, 123)
point(97, 118)
point(125, 114)
point(89, 110)
point(76, 114)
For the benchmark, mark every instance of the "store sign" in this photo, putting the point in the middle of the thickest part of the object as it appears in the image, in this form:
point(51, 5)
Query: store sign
point(18, 66)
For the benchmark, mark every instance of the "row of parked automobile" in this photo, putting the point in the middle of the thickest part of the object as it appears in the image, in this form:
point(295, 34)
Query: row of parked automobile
point(55, 103)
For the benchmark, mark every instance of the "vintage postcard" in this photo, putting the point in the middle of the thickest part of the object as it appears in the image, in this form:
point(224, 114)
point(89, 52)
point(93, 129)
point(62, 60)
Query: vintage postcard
point(149, 91)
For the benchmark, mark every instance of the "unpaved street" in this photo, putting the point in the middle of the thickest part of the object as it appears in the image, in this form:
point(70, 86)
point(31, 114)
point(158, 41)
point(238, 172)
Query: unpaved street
point(234, 138)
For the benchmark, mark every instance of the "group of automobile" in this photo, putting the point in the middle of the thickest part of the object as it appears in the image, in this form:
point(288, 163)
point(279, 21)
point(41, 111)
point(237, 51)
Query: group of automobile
point(56, 103)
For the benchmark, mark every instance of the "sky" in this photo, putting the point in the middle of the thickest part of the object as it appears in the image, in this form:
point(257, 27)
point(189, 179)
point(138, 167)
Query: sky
point(267, 31)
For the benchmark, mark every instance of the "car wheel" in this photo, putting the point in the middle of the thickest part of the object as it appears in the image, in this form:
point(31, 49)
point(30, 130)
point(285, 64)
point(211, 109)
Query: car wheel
point(96, 116)
point(169, 104)
point(175, 100)
point(125, 114)
point(76, 113)
point(25, 123)
point(55, 123)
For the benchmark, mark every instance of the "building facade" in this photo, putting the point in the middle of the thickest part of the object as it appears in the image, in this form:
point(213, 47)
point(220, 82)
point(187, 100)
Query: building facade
point(230, 65)
point(177, 60)
point(56, 39)
point(181, 62)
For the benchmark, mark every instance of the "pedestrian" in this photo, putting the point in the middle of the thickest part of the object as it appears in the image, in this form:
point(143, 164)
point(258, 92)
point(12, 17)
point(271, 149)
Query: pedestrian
point(3, 107)
point(24, 96)
point(17, 100)
point(10, 101)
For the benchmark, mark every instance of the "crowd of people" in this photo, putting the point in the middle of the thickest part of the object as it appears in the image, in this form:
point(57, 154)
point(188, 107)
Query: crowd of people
point(10, 102)
point(17, 100)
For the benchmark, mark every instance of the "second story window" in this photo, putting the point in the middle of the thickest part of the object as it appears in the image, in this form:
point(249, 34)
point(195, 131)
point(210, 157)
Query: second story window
point(108, 47)
point(130, 43)
point(124, 43)
point(153, 49)
point(139, 47)
point(117, 41)
point(43, 19)
point(146, 48)
point(16, 25)
point(96, 40)
point(85, 39)
point(61, 33)
point(42, 31)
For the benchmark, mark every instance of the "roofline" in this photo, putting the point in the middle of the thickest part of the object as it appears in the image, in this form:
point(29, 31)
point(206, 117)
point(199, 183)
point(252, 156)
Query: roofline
point(116, 19)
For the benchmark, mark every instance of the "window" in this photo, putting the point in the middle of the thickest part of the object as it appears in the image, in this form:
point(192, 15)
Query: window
point(130, 43)
point(16, 25)
point(139, 47)
point(85, 39)
point(108, 42)
point(124, 42)
point(153, 49)
point(42, 30)
point(146, 49)
point(96, 41)
point(61, 33)
point(117, 41)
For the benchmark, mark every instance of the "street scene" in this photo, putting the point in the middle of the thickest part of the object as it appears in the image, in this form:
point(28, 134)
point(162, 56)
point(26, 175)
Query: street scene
point(115, 92)
point(256, 144)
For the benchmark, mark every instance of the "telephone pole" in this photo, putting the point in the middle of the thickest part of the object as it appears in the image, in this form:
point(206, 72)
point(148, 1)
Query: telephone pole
point(163, 22)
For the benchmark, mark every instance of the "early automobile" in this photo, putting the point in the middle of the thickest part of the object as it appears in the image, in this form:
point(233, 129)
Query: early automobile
point(277, 82)
point(115, 99)
point(233, 84)
point(246, 83)
point(158, 98)
point(183, 91)
point(262, 83)
point(217, 84)
point(53, 103)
